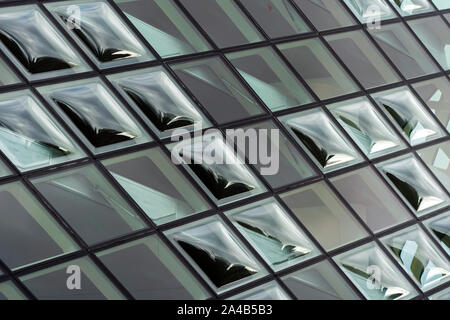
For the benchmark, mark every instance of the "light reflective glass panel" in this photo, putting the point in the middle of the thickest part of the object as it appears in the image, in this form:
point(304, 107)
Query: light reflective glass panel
point(216, 166)
point(437, 158)
point(369, 197)
point(268, 291)
point(325, 217)
point(441, 4)
point(216, 253)
point(319, 282)
point(278, 18)
point(98, 29)
point(439, 227)
point(157, 273)
point(8, 291)
point(273, 233)
point(29, 136)
point(441, 295)
point(415, 252)
point(411, 7)
point(164, 26)
point(317, 66)
point(159, 100)
point(217, 89)
point(409, 115)
point(35, 46)
point(433, 32)
point(413, 182)
point(321, 139)
point(271, 79)
point(51, 283)
point(325, 14)
point(28, 233)
point(95, 114)
point(364, 264)
point(89, 204)
point(7, 77)
point(215, 16)
point(403, 50)
point(362, 58)
point(436, 94)
point(156, 185)
point(368, 11)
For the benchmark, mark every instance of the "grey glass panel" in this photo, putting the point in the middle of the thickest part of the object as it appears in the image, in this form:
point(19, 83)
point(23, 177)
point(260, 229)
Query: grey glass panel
point(319, 282)
point(441, 4)
point(268, 291)
point(156, 272)
point(325, 14)
point(431, 32)
point(371, 199)
point(412, 181)
point(7, 77)
point(404, 51)
point(317, 66)
point(95, 114)
point(35, 46)
point(164, 26)
point(217, 253)
point(436, 94)
point(273, 233)
point(293, 167)
point(409, 115)
point(29, 136)
point(368, 11)
point(217, 89)
point(362, 58)
point(28, 234)
point(159, 100)
point(156, 185)
point(4, 170)
point(439, 227)
point(278, 18)
point(419, 257)
point(270, 78)
point(411, 7)
point(90, 205)
point(51, 283)
point(8, 291)
point(363, 264)
point(325, 217)
point(437, 159)
point(97, 28)
point(321, 139)
point(215, 16)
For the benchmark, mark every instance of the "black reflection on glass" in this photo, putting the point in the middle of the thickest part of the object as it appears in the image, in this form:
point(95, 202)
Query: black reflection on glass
point(322, 155)
point(408, 191)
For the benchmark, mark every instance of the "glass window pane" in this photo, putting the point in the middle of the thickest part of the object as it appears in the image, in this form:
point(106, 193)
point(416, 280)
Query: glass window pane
point(268, 291)
point(89, 204)
point(217, 89)
point(415, 252)
point(441, 295)
point(317, 66)
point(217, 253)
point(278, 18)
point(164, 26)
point(439, 227)
point(325, 14)
point(360, 265)
point(362, 58)
point(156, 275)
point(100, 32)
point(8, 291)
point(215, 16)
point(325, 217)
point(442, 4)
point(404, 51)
point(156, 185)
point(159, 100)
point(273, 233)
point(214, 165)
point(408, 115)
point(321, 139)
point(271, 79)
point(411, 7)
point(430, 32)
point(319, 282)
point(7, 77)
point(437, 159)
point(95, 114)
point(366, 127)
point(51, 283)
point(367, 194)
point(29, 136)
point(4, 169)
point(369, 10)
point(26, 224)
point(436, 94)
point(412, 181)
point(35, 46)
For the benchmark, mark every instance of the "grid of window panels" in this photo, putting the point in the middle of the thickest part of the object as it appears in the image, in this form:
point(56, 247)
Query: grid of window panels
point(91, 91)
